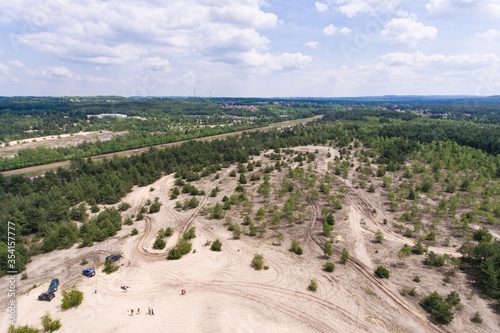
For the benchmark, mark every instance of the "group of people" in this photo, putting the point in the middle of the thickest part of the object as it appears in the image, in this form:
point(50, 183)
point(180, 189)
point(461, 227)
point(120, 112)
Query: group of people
point(150, 311)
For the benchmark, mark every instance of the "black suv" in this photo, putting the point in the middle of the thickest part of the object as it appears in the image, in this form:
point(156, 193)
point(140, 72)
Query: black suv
point(46, 296)
point(114, 257)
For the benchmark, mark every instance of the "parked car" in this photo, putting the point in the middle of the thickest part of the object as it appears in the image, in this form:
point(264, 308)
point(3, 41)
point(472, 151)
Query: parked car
point(54, 284)
point(114, 257)
point(89, 272)
point(46, 296)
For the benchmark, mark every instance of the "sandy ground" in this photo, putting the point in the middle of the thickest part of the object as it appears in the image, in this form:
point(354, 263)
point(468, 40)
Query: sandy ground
point(224, 294)
point(54, 141)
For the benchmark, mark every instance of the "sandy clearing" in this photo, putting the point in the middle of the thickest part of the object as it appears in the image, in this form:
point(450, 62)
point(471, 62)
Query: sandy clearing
point(224, 294)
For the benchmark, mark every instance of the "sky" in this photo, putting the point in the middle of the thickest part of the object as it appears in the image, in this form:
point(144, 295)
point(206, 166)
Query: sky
point(249, 48)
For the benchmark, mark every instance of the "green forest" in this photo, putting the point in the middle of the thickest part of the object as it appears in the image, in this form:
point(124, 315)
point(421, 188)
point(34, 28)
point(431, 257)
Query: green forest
point(457, 155)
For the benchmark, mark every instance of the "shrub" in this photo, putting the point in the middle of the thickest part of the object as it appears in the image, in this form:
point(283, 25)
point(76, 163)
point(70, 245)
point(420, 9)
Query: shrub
point(345, 256)
point(123, 206)
point(174, 254)
point(24, 276)
point(477, 318)
point(154, 208)
point(190, 234)
point(329, 266)
point(295, 247)
point(184, 247)
point(236, 231)
point(168, 232)
point(94, 208)
point(313, 285)
point(382, 272)
point(49, 324)
point(134, 232)
point(439, 308)
point(453, 298)
point(436, 260)
point(216, 246)
point(257, 262)
point(109, 267)
point(22, 329)
point(416, 279)
point(159, 243)
point(128, 221)
point(71, 298)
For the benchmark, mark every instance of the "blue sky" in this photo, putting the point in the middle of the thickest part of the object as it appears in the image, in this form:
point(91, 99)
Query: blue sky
point(260, 48)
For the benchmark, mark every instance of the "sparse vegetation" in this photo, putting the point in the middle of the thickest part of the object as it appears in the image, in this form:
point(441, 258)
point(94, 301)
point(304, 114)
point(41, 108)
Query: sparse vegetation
point(71, 298)
point(257, 262)
point(382, 272)
point(329, 266)
point(216, 246)
point(345, 256)
point(295, 247)
point(110, 267)
point(49, 324)
point(313, 285)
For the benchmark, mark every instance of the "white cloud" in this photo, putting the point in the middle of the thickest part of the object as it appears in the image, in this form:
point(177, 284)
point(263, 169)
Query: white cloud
point(121, 31)
point(407, 31)
point(351, 8)
point(156, 64)
point(312, 45)
point(490, 34)
point(345, 30)
point(330, 30)
point(270, 62)
point(321, 7)
point(460, 61)
point(57, 72)
point(463, 7)
point(4, 69)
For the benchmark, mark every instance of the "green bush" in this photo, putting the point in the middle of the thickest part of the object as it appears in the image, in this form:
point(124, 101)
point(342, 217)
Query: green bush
point(22, 329)
point(436, 260)
point(184, 246)
point(416, 279)
point(345, 256)
point(159, 243)
point(258, 262)
point(168, 232)
point(174, 254)
point(382, 272)
point(453, 298)
point(109, 267)
point(154, 208)
point(295, 247)
point(128, 221)
point(49, 324)
point(190, 234)
point(313, 285)
point(329, 266)
point(71, 298)
point(134, 232)
point(477, 318)
point(123, 206)
point(216, 246)
point(438, 307)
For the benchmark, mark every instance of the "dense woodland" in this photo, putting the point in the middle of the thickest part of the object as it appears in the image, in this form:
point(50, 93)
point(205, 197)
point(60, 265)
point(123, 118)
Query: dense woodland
point(457, 159)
